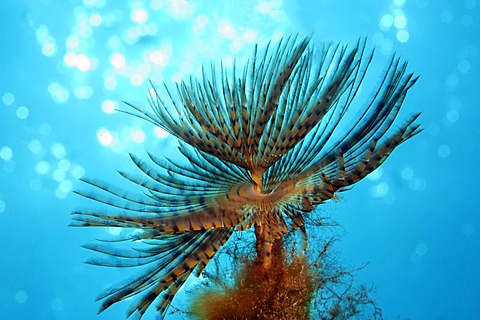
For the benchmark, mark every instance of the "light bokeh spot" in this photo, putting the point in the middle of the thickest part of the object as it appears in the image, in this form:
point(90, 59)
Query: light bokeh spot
point(58, 93)
point(22, 112)
point(380, 190)
point(21, 296)
point(58, 150)
point(42, 167)
point(77, 171)
point(375, 175)
point(159, 132)
point(6, 153)
point(421, 249)
point(57, 304)
point(137, 135)
point(35, 146)
point(105, 137)
point(117, 60)
point(109, 106)
point(444, 151)
point(8, 98)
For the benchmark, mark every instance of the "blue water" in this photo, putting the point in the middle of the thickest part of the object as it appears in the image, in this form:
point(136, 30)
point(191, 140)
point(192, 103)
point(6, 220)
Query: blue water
point(66, 64)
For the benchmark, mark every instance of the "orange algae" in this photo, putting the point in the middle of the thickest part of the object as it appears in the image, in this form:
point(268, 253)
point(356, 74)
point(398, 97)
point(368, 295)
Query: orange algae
point(283, 291)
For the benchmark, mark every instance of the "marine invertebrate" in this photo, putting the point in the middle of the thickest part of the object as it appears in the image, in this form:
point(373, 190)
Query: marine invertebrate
point(264, 146)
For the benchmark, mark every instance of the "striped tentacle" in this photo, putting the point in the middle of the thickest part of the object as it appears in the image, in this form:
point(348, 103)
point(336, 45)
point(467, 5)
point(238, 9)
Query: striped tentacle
point(238, 129)
point(170, 262)
point(306, 130)
point(258, 147)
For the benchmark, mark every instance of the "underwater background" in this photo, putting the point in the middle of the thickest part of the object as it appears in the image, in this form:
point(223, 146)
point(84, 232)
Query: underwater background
point(66, 65)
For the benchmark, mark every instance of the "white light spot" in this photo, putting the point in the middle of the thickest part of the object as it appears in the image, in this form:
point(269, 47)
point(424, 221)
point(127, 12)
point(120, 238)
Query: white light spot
point(403, 35)
point(45, 129)
point(42, 167)
point(250, 36)
point(83, 63)
point(156, 4)
point(77, 171)
point(444, 151)
point(22, 112)
point(70, 59)
point(264, 7)
point(180, 9)
point(94, 3)
point(139, 16)
point(468, 229)
point(278, 15)
point(236, 45)
point(8, 98)
point(452, 81)
point(41, 33)
point(375, 175)
point(6, 153)
point(200, 23)
point(60, 194)
point(421, 249)
point(35, 146)
point(115, 231)
point(415, 258)
point(114, 42)
point(400, 21)
point(110, 83)
point(83, 92)
point(65, 186)
point(137, 79)
point(227, 30)
point(467, 20)
point(418, 184)
point(64, 164)
point(463, 66)
point(117, 60)
point(152, 28)
point(407, 174)
point(159, 58)
point(399, 3)
point(109, 106)
point(446, 16)
point(58, 175)
point(159, 132)
point(470, 4)
point(58, 150)
point(105, 137)
point(386, 21)
point(227, 61)
point(58, 93)
point(177, 77)
point(137, 135)
point(452, 116)
point(21, 296)
point(73, 43)
point(380, 190)
point(57, 305)
point(49, 49)
point(389, 199)
point(3, 206)
point(95, 19)
point(386, 46)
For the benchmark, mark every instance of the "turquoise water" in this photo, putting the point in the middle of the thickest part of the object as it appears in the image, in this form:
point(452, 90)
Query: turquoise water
point(67, 64)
